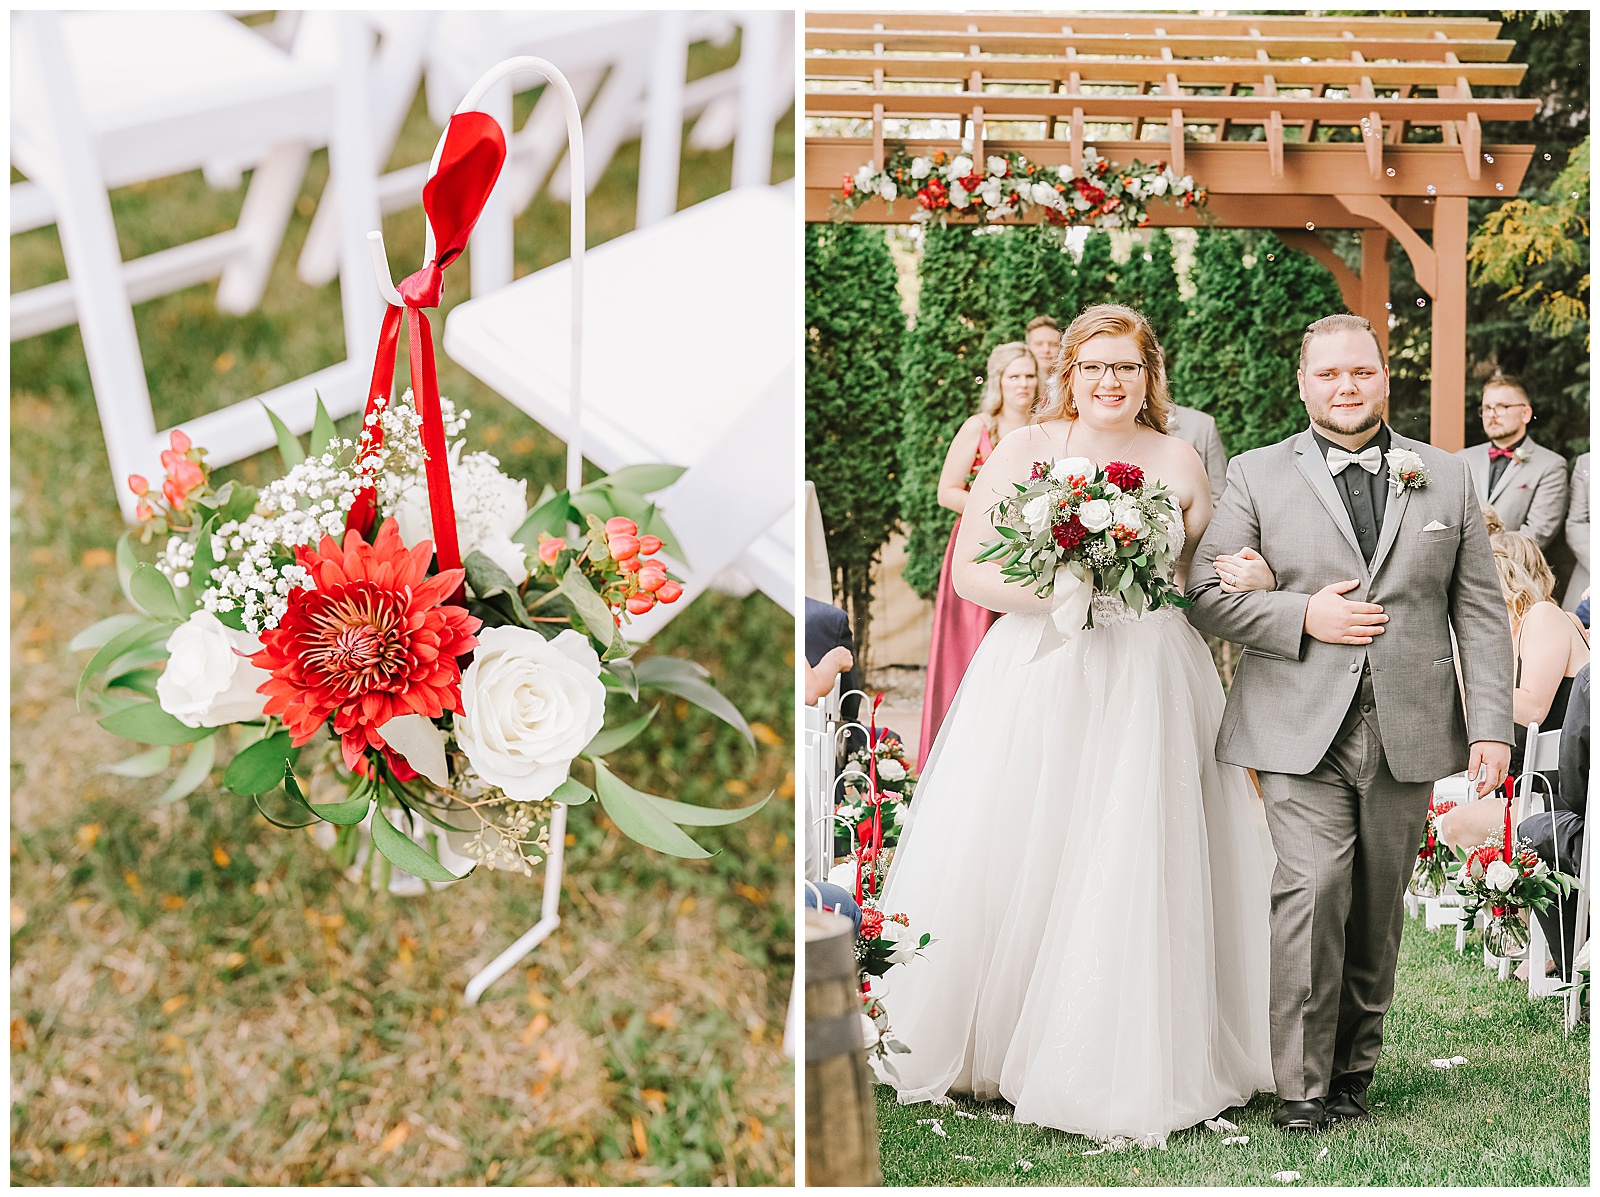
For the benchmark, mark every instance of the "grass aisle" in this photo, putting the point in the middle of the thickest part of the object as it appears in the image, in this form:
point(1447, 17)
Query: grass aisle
point(1516, 1114)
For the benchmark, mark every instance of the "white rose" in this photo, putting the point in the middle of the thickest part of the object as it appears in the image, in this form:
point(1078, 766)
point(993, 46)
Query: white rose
point(509, 555)
point(1069, 467)
point(888, 190)
point(1184, 184)
point(206, 683)
point(1043, 193)
point(899, 935)
point(1036, 514)
point(990, 192)
point(1404, 461)
point(528, 707)
point(1130, 517)
point(1080, 203)
point(843, 875)
point(1066, 173)
point(1158, 185)
point(891, 770)
point(959, 197)
point(920, 167)
point(900, 812)
point(864, 178)
point(1500, 876)
point(1001, 212)
point(997, 166)
point(960, 167)
point(1095, 515)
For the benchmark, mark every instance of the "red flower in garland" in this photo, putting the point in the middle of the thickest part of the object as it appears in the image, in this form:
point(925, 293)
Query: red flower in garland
point(1128, 477)
point(933, 195)
point(372, 641)
point(1070, 534)
point(1095, 195)
point(871, 923)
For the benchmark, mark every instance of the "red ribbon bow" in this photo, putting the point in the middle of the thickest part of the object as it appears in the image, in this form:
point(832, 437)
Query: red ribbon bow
point(876, 799)
point(474, 151)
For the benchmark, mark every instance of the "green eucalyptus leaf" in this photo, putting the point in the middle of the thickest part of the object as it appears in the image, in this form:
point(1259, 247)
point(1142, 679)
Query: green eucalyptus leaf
point(703, 816)
point(97, 635)
point(572, 792)
point(144, 764)
point(345, 814)
point(552, 515)
point(259, 769)
point(204, 559)
point(404, 852)
point(619, 677)
point(687, 680)
point(322, 429)
point(194, 772)
point(594, 613)
point(147, 723)
point(638, 819)
point(240, 504)
point(153, 593)
point(288, 446)
point(644, 478)
point(610, 739)
point(485, 577)
point(127, 562)
point(140, 681)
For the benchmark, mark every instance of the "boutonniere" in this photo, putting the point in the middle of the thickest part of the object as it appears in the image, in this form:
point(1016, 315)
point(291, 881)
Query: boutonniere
point(1406, 471)
point(1520, 454)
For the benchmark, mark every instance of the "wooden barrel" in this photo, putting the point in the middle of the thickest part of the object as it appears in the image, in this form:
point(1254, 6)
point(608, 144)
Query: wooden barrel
point(841, 1120)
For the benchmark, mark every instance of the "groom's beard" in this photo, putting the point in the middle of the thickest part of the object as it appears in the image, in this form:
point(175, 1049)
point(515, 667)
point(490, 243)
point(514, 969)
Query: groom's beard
point(1327, 422)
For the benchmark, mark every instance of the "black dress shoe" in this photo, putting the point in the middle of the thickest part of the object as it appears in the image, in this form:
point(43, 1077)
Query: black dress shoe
point(1348, 1104)
point(1300, 1117)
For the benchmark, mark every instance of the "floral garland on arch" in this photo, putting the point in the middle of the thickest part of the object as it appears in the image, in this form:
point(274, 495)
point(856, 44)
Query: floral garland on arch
point(1100, 196)
point(436, 715)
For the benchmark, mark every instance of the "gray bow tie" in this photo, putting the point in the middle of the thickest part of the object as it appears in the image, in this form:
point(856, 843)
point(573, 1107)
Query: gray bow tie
point(1370, 459)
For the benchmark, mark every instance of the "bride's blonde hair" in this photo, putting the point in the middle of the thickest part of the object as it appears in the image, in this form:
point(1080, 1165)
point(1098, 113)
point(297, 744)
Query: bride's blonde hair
point(1109, 319)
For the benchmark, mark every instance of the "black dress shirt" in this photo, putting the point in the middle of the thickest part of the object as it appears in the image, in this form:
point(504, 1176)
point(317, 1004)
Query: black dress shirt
point(1365, 495)
point(1497, 465)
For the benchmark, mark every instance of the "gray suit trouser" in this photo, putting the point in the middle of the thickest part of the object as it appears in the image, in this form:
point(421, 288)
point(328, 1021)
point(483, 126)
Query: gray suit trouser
point(1346, 837)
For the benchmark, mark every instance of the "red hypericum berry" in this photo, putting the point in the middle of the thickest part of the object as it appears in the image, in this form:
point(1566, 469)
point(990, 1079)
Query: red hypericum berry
point(621, 523)
point(668, 592)
point(640, 603)
point(181, 442)
point(649, 545)
point(142, 512)
point(550, 549)
point(623, 545)
point(139, 484)
point(652, 580)
point(630, 566)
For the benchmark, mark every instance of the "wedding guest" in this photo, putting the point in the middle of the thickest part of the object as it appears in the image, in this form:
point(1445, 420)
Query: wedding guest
point(837, 899)
point(1550, 647)
point(1043, 339)
point(1199, 428)
point(827, 629)
point(1578, 533)
point(1525, 482)
point(1491, 519)
point(1010, 389)
point(1557, 836)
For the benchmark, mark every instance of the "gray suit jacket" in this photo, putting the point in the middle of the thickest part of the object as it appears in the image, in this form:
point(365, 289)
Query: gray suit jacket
point(1432, 573)
point(1199, 428)
point(1532, 495)
point(1578, 532)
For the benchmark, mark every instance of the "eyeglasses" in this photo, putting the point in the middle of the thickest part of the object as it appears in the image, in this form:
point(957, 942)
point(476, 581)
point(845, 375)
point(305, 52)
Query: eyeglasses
point(1095, 371)
point(1500, 409)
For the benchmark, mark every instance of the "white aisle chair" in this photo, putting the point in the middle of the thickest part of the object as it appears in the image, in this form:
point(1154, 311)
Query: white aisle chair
point(1580, 937)
point(695, 367)
point(1532, 798)
point(106, 99)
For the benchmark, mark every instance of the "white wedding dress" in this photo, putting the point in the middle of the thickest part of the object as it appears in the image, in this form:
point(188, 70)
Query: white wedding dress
point(1093, 882)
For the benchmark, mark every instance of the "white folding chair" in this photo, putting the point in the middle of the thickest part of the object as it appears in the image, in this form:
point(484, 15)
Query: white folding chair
point(704, 302)
point(106, 99)
point(1542, 754)
point(1580, 937)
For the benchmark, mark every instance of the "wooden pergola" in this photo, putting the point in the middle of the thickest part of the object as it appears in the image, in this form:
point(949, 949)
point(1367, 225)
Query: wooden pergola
point(1291, 123)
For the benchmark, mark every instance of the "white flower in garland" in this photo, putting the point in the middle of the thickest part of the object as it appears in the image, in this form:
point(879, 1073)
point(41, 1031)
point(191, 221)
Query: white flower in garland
point(864, 178)
point(960, 167)
point(1158, 185)
point(888, 190)
point(998, 166)
point(921, 168)
point(1066, 173)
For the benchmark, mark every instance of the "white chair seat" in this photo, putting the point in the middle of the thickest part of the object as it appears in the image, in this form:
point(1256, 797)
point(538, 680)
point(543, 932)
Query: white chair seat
point(689, 323)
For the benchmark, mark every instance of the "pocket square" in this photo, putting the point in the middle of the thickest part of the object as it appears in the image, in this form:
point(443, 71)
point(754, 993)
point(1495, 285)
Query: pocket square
point(1434, 526)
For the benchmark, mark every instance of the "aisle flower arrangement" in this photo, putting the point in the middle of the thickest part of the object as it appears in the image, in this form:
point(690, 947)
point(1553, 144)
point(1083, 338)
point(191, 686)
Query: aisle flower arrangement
point(1112, 528)
point(1428, 875)
point(438, 713)
point(1101, 195)
point(884, 941)
point(897, 781)
point(1508, 877)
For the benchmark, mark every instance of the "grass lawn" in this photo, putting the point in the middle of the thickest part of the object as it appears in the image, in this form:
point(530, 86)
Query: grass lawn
point(1517, 1113)
point(198, 997)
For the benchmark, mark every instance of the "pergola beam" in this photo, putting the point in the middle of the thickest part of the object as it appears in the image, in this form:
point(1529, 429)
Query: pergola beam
point(1466, 28)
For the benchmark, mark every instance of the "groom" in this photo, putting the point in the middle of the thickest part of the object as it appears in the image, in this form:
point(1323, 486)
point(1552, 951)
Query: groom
point(1346, 700)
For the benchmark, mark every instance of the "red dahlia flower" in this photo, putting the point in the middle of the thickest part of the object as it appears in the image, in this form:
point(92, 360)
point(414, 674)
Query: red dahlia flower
point(1128, 477)
point(871, 924)
point(1070, 534)
point(372, 641)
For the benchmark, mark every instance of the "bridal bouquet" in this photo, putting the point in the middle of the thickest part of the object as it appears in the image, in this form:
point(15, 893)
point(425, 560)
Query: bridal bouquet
point(1428, 877)
point(443, 708)
point(1113, 529)
point(1507, 876)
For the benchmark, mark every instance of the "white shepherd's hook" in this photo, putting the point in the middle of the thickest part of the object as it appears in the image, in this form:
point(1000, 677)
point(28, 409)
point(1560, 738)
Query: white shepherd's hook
point(550, 909)
point(569, 101)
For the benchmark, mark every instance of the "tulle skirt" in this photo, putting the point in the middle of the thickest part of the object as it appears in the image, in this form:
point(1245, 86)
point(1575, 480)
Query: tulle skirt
point(1094, 884)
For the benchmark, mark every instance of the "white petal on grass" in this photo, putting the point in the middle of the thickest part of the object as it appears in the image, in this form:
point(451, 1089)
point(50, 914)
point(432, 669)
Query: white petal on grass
point(1287, 1178)
point(1322, 1153)
point(1220, 1124)
point(1024, 1165)
point(1232, 1139)
point(1458, 1060)
point(999, 1117)
point(966, 1159)
point(1096, 1151)
point(934, 1125)
point(964, 1114)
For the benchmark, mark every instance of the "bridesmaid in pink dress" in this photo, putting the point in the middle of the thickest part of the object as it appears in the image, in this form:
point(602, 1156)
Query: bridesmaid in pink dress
point(1010, 390)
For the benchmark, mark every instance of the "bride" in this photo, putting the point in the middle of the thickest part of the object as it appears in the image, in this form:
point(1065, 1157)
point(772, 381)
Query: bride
point(1090, 875)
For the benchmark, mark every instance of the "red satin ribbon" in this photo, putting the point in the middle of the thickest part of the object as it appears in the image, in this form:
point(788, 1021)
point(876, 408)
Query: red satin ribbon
point(874, 797)
point(1507, 849)
point(474, 151)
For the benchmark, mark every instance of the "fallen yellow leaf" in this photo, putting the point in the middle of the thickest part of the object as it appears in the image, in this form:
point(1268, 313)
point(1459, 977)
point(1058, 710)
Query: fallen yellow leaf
point(86, 835)
point(19, 916)
point(131, 880)
point(523, 444)
point(172, 902)
point(173, 1003)
point(666, 1017)
point(640, 1145)
point(233, 959)
point(766, 735)
point(97, 558)
point(656, 1099)
point(493, 1171)
point(220, 856)
point(756, 1129)
point(734, 786)
point(786, 788)
point(394, 1138)
point(537, 1027)
point(75, 1151)
point(780, 842)
point(171, 1042)
point(686, 906)
point(750, 892)
point(225, 362)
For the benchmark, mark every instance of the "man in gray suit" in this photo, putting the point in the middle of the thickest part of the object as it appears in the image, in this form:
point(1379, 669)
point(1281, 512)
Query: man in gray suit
point(1345, 701)
point(1524, 482)
point(1199, 428)
point(1578, 532)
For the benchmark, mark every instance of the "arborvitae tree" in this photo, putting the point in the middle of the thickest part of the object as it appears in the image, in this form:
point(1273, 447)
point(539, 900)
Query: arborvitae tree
point(940, 367)
point(1148, 283)
point(1216, 336)
point(1032, 275)
point(1288, 290)
point(854, 328)
point(1094, 276)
